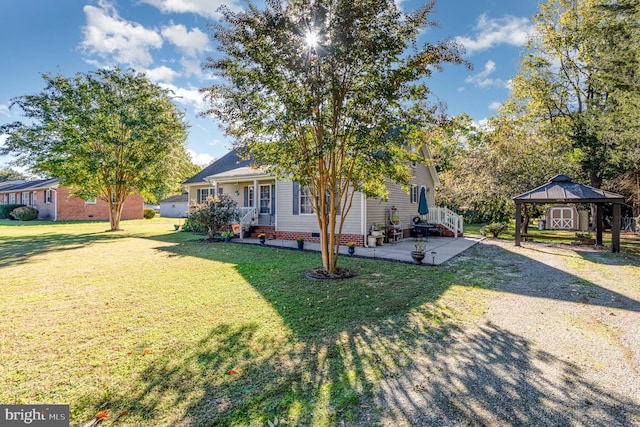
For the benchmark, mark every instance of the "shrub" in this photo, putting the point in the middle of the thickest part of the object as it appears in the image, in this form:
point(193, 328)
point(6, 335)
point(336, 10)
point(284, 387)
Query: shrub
point(149, 213)
point(494, 229)
point(5, 210)
point(215, 213)
point(192, 226)
point(25, 213)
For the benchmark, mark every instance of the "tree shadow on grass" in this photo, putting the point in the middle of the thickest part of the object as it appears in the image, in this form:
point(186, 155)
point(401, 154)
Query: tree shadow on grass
point(21, 250)
point(383, 348)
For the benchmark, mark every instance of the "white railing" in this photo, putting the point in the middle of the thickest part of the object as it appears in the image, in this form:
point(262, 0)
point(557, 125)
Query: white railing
point(448, 218)
point(248, 217)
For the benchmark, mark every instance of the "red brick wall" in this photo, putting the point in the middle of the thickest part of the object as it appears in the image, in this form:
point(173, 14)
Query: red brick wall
point(71, 208)
point(344, 239)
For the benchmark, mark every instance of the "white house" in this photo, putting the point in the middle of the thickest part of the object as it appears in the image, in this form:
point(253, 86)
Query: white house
point(282, 212)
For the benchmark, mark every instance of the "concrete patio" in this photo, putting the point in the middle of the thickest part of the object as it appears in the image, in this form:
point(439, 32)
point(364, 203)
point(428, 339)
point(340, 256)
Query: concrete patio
point(438, 249)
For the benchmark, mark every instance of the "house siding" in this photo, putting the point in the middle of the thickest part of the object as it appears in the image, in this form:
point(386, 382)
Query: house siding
point(289, 225)
point(378, 210)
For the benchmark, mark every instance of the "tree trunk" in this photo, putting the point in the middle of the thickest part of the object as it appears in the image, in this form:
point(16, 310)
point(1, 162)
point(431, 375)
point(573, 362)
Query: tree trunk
point(115, 212)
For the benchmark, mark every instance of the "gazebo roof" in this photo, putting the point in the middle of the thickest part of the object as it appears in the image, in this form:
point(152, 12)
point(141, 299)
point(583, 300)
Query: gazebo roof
point(560, 189)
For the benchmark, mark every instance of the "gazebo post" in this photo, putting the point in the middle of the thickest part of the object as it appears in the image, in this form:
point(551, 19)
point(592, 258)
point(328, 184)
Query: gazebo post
point(518, 222)
point(599, 223)
point(615, 229)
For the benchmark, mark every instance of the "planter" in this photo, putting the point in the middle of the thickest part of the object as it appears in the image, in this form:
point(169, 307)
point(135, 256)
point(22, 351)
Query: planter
point(351, 250)
point(417, 257)
point(262, 239)
point(376, 233)
point(300, 245)
point(227, 239)
point(176, 227)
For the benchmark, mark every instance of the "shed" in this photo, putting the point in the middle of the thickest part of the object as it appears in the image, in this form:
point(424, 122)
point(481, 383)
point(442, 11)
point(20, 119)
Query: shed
point(175, 206)
point(561, 189)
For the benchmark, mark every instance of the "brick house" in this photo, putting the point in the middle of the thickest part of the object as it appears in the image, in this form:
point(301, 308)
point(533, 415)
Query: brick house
point(55, 202)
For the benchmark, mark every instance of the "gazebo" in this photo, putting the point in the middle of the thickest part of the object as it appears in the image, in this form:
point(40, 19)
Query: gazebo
point(560, 189)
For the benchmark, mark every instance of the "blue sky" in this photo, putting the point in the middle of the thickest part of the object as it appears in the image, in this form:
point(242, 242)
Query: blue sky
point(169, 40)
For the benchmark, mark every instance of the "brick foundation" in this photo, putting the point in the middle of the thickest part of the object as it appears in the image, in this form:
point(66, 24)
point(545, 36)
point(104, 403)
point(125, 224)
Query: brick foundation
point(307, 236)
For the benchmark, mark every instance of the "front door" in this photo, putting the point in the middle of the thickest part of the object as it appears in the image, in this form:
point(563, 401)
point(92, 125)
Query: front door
point(265, 204)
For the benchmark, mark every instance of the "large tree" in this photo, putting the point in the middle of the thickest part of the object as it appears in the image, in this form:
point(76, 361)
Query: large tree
point(106, 134)
point(326, 93)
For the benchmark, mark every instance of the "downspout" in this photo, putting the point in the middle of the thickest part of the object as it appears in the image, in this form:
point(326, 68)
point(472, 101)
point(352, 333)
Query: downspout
point(363, 219)
point(55, 204)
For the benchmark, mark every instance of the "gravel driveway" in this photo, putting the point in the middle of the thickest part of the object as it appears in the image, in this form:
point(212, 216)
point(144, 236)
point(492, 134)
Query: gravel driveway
point(557, 343)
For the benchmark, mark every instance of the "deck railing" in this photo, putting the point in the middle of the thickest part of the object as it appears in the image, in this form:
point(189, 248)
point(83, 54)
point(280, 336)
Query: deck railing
point(248, 217)
point(448, 218)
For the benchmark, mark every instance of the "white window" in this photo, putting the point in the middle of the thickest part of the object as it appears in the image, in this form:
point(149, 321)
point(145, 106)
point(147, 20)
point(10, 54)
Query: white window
point(34, 199)
point(203, 193)
point(249, 201)
point(306, 206)
point(91, 201)
point(47, 197)
point(414, 193)
point(265, 199)
point(12, 198)
point(26, 198)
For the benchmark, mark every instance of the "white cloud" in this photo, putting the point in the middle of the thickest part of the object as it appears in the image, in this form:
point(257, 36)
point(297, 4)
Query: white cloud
point(191, 43)
point(4, 110)
point(161, 74)
point(192, 67)
point(495, 105)
point(3, 139)
point(113, 38)
point(511, 30)
point(202, 159)
point(483, 80)
point(206, 8)
point(185, 96)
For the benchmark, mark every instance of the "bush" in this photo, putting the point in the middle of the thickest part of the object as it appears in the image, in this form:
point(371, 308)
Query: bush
point(5, 210)
point(494, 229)
point(192, 226)
point(149, 213)
point(215, 214)
point(25, 213)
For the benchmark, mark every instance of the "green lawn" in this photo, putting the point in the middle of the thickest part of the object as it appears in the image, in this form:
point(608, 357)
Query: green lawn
point(178, 331)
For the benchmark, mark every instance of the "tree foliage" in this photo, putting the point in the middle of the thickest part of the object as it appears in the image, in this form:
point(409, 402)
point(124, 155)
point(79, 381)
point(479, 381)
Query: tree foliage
point(106, 134)
point(328, 94)
point(8, 174)
point(580, 75)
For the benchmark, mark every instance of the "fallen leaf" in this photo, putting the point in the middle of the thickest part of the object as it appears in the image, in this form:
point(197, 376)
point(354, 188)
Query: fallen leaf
point(102, 414)
point(106, 303)
point(612, 314)
point(122, 413)
point(233, 372)
point(147, 351)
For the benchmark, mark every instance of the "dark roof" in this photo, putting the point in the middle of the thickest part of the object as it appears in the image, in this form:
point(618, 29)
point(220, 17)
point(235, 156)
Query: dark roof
point(32, 185)
point(560, 189)
point(180, 198)
point(229, 161)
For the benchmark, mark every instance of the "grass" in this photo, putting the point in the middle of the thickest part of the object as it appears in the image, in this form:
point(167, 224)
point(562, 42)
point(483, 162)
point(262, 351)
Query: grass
point(178, 331)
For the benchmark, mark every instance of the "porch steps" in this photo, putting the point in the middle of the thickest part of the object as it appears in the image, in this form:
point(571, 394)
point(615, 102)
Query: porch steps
point(268, 230)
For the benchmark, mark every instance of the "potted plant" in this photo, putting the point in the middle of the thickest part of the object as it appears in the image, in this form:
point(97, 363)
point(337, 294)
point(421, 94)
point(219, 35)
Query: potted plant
point(395, 220)
point(377, 230)
point(262, 237)
point(300, 241)
point(227, 235)
point(176, 227)
point(351, 248)
point(418, 254)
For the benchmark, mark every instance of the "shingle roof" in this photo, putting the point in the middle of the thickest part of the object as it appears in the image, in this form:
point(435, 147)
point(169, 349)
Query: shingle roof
point(226, 163)
point(180, 198)
point(32, 185)
point(561, 188)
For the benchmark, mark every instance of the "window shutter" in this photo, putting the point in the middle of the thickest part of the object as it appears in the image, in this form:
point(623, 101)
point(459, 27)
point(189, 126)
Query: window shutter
point(296, 198)
point(273, 199)
point(246, 197)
